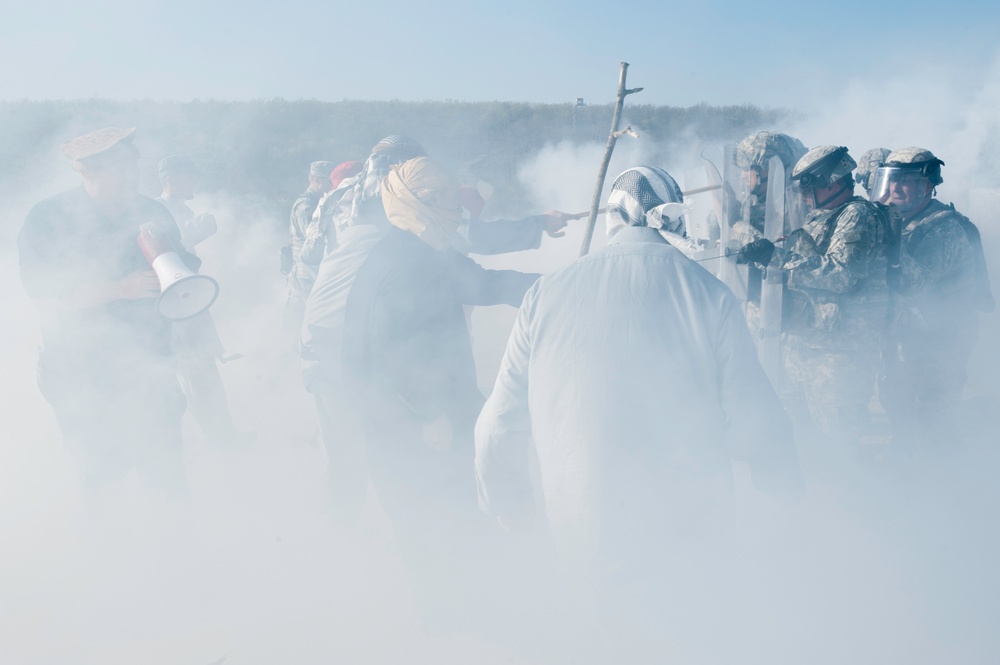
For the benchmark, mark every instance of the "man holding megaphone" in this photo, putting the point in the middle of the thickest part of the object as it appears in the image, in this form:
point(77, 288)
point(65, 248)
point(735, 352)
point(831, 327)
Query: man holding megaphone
point(106, 365)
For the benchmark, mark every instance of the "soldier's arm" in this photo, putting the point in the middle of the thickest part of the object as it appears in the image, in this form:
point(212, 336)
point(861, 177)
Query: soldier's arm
point(300, 218)
point(848, 260)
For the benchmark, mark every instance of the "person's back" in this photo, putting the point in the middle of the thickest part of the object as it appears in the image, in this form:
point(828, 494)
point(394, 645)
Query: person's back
point(629, 369)
point(630, 392)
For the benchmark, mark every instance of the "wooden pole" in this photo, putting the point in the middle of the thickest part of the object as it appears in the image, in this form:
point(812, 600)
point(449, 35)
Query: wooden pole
point(603, 172)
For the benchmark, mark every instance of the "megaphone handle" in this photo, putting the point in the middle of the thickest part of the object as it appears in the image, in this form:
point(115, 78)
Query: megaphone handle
point(152, 242)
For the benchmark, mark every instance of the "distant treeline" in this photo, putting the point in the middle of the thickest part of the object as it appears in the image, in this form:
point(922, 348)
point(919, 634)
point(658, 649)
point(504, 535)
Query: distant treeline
point(260, 149)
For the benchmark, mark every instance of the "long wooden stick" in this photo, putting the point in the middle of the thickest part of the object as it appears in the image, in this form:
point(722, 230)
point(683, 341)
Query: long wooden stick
point(603, 172)
point(581, 215)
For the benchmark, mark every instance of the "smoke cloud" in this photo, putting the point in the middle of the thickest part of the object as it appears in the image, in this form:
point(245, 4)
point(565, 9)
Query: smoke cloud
point(892, 565)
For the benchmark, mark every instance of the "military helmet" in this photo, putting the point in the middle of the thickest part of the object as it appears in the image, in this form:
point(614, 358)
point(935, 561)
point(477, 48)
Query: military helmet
point(920, 159)
point(757, 149)
point(822, 166)
point(869, 161)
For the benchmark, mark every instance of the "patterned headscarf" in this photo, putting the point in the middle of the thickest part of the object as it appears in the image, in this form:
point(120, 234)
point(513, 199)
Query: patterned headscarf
point(646, 196)
point(366, 186)
point(406, 195)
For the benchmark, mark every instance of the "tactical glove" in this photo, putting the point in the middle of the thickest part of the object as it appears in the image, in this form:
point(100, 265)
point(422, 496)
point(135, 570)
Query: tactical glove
point(758, 251)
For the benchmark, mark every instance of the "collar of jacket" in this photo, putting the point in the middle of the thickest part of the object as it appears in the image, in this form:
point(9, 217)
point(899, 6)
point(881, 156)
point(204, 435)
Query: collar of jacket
point(637, 234)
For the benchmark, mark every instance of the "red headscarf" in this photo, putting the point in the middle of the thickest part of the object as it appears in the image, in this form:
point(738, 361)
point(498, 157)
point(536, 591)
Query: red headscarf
point(344, 171)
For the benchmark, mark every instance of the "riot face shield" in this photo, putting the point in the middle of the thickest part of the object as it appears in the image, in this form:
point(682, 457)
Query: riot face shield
point(768, 344)
point(899, 185)
point(801, 199)
point(732, 275)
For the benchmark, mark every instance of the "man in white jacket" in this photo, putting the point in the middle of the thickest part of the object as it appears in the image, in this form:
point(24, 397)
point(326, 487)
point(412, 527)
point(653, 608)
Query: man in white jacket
point(633, 373)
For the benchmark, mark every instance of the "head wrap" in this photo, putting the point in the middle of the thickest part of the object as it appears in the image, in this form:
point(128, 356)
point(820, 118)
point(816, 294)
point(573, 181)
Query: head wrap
point(343, 171)
point(406, 194)
point(366, 185)
point(646, 196)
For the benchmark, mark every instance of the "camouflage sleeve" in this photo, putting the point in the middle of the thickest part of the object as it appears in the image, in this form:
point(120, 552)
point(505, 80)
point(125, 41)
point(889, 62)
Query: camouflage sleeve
point(299, 222)
point(314, 242)
point(852, 253)
point(943, 254)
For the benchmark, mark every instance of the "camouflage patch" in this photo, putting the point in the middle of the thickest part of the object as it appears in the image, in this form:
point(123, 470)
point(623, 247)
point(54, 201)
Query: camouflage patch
point(757, 149)
point(869, 161)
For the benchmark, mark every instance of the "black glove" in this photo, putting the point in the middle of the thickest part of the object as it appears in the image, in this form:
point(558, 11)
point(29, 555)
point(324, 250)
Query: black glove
point(758, 251)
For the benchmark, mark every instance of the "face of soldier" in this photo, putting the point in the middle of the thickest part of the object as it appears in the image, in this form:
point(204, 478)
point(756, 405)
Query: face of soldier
point(321, 185)
point(909, 192)
point(754, 181)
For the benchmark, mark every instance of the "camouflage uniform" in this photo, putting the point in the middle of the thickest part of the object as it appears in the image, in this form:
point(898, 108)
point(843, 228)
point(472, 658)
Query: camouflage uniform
point(942, 287)
point(302, 275)
point(836, 313)
point(755, 152)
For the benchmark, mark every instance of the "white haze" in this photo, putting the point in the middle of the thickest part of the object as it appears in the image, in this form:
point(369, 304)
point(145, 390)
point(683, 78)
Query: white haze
point(250, 567)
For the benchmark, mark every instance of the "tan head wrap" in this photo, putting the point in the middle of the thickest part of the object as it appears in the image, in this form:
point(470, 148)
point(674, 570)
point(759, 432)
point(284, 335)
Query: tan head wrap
point(405, 195)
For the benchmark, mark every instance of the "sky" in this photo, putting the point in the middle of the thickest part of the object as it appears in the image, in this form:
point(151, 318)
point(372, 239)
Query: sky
point(784, 54)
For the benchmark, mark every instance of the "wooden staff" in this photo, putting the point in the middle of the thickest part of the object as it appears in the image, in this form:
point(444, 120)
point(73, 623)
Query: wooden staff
point(603, 172)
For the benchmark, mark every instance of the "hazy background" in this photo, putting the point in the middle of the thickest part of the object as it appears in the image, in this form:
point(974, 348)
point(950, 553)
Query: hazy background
point(780, 53)
point(895, 569)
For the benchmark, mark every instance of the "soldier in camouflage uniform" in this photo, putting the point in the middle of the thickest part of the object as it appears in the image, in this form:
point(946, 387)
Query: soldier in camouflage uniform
point(868, 163)
point(302, 275)
point(836, 299)
point(753, 155)
point(942, 287)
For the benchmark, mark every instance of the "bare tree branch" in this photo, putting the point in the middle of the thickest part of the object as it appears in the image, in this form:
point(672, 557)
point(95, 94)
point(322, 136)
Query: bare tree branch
point(603, 172)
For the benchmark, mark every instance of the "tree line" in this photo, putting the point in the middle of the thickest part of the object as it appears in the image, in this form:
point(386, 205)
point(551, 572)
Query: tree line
point(260, 150)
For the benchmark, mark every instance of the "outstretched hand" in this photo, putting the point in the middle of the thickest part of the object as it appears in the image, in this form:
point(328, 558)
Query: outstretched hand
point(555, 223)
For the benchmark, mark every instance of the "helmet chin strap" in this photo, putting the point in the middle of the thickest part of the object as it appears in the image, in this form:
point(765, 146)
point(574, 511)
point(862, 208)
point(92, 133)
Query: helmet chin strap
point(844, 184)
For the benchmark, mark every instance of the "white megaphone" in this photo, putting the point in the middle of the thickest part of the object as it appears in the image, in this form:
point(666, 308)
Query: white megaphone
point(183, 293)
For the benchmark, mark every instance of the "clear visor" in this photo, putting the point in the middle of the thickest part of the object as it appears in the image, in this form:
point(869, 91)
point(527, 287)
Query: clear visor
point(802, 197)
point(885, 176)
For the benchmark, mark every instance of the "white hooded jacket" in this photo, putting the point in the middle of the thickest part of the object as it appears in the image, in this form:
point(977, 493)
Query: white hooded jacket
point(633, 372)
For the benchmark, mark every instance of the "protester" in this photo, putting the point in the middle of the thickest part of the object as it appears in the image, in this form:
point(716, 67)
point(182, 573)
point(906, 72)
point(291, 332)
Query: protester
point(106, 365)
point(632, 372)
point(361, 223)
